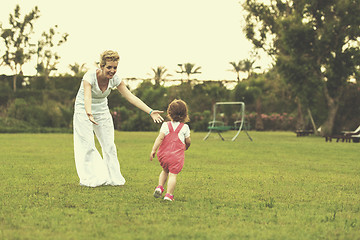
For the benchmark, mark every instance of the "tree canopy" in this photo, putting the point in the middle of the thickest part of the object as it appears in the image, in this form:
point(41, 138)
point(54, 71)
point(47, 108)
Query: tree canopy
point(315, 44)
point(18, 48)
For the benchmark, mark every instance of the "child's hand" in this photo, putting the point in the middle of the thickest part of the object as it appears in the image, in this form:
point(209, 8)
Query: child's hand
point(152, 155)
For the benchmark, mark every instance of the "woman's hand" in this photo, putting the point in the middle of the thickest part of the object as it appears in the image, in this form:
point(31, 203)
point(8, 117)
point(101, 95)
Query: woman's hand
point(91, 118)
point(155, 115)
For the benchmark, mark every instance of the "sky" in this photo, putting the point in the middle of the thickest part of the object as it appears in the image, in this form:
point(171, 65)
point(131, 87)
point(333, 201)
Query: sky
point(145, 33)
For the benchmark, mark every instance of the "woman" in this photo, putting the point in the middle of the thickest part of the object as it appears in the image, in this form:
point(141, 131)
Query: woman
point(92, 115)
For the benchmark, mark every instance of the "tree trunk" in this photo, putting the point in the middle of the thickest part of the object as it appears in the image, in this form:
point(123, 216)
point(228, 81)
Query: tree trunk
point(300, 122)
point(46, 76)
point(329, 123)
point(333, 106)
point(259, 124)
point(14, 82)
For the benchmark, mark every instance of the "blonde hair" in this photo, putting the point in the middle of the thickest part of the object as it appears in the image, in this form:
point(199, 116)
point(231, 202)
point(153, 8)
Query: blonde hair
point(108, 55)
point(178, 111)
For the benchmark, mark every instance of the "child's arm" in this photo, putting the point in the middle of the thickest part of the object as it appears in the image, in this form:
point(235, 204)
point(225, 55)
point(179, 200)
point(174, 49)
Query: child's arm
point(187, 142)
point(157, 143)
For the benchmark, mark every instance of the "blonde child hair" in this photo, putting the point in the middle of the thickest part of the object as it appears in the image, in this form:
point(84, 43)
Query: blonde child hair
point(178, 111)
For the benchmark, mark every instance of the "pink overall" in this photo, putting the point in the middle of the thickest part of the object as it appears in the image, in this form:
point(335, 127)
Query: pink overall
point(171, 152)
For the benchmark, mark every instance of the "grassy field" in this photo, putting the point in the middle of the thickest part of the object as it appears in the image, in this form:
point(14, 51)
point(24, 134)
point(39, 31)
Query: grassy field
point(277, 187)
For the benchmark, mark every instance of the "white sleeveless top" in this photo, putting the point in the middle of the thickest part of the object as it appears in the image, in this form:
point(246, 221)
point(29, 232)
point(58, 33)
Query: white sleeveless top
point(99, 101)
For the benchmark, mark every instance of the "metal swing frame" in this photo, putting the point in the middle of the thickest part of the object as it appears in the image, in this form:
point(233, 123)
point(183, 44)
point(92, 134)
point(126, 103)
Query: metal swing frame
point(219, 126)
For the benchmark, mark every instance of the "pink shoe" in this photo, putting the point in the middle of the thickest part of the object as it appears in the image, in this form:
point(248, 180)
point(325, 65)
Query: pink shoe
point(158, 191)
point(169, 197)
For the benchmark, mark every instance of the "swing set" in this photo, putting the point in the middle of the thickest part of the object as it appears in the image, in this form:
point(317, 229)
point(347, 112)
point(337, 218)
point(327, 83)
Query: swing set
point(219, 126)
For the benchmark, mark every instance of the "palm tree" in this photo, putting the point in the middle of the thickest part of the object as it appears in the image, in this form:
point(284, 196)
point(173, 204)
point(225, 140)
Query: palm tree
point(188, 68)
point(247, 67)
point(160, 73)
point(237, 67)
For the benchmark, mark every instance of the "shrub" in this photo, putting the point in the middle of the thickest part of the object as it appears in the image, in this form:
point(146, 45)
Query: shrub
point(33, 96)
point(139, 121)
point(6, 93)
point(48, 114)
point(120, 116)
point(199, 121)
point(274, 121)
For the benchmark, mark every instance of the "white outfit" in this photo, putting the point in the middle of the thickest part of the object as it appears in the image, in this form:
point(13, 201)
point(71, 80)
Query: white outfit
point(92, 169)
point(184, 132)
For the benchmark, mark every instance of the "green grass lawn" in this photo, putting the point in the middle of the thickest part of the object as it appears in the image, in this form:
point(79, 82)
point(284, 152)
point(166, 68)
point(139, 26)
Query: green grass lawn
point(277, 187)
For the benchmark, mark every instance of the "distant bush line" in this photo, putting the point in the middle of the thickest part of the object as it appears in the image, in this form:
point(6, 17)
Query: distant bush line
point(39, 106)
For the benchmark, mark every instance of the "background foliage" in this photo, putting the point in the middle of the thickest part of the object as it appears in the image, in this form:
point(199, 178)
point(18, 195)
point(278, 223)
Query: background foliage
point(270, 104)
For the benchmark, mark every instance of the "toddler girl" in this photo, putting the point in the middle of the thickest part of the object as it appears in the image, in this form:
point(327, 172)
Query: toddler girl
point(172, 141)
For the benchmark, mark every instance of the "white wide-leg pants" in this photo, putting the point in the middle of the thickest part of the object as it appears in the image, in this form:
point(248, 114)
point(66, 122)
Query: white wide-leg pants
point(94, 170)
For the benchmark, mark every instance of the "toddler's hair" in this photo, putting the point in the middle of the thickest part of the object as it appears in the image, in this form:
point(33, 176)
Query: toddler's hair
point(177, 111)
point(108, 55)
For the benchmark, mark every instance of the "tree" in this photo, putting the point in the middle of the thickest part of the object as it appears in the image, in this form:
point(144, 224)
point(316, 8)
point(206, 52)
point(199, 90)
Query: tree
point(207, 94)
point(160, 74)
point(188, 69)
point(77, 69)
point(315, 44)
point(18, 49)
point(47, 59)
point(245, 66)
point(237, 67)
